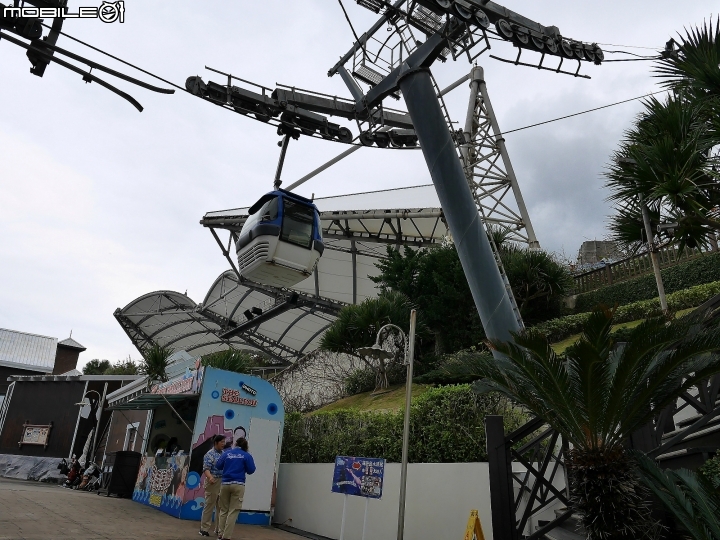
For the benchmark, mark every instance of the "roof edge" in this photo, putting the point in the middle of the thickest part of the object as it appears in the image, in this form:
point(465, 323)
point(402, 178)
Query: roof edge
point(27, 367)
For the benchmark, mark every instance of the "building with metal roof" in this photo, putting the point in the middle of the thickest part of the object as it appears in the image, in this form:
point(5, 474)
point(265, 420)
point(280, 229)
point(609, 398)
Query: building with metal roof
point(286, 324)
point(27, 351)
point(22, 353)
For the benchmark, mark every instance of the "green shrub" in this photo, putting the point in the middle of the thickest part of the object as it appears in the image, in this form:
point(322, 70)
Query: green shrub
point(444, 374)
point(447, 425)
point(365, 379)
point(563, 327)
point(362, 380)
point(698, 271)
point(711, 470)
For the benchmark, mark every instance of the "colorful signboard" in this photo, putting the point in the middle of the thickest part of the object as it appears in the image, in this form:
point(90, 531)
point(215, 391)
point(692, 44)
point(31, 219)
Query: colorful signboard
point(359, 476)
point(188, 383)
point(234, 405)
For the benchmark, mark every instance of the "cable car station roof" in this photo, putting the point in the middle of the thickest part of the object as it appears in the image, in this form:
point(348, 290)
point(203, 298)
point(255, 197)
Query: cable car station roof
point(284, 324)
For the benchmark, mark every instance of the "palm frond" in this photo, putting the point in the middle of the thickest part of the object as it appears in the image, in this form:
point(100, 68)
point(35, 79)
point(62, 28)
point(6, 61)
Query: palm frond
point(229, 360)
point(155, 362)
point(696, 66)
point(693, 502)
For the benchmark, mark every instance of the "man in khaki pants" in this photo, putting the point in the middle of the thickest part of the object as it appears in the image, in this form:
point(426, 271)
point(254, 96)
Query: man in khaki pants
point(234, 463)
point(211, 476)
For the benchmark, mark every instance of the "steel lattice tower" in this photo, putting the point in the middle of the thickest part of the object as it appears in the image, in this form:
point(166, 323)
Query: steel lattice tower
point(489, 170)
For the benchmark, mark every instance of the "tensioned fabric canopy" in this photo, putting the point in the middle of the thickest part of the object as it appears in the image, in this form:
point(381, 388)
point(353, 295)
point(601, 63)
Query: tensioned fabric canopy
point(355, 240)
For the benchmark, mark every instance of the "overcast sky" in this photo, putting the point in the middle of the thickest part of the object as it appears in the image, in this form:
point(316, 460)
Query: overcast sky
point(100, 204)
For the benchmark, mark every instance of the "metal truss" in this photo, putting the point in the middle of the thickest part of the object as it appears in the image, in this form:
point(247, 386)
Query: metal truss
point(199, 320)
point(488, 168)
point(518, 497)
point(399, 227)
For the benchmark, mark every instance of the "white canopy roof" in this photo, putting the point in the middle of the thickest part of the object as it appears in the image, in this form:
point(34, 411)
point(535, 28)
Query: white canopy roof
point(356, 236)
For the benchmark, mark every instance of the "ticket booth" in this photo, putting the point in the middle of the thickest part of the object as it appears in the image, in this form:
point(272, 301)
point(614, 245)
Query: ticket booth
point(187, 412)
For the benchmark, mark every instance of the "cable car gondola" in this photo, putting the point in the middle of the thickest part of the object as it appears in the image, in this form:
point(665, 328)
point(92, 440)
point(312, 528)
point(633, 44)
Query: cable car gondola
point(281, 241)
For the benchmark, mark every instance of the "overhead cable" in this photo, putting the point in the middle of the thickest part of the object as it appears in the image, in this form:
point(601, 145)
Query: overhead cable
point(347, 18)
point(582, 112)
point(119, 60)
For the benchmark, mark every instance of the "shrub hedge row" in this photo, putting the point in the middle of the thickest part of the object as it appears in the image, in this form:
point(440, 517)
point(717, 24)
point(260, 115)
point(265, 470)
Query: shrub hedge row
point(698, 271)
point(563, 327)
point(447, 425)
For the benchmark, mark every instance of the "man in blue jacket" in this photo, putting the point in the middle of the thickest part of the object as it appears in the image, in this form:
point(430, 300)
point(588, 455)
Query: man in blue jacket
point(234, 464)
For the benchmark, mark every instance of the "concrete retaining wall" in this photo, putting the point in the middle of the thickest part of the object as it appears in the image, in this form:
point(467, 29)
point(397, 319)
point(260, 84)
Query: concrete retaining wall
point(439, 499)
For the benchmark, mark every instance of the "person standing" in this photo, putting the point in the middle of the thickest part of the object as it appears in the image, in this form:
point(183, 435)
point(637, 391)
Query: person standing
point(212, 476)
point(235, 464)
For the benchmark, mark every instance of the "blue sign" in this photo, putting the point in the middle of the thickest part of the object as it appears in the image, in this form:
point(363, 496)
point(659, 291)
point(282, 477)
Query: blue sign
point(359, 476)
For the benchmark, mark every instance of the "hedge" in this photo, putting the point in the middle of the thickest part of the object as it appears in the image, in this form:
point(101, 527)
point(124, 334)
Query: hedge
point(563, 327)
point(711, 470)
point(698, 271)
point(447, 425)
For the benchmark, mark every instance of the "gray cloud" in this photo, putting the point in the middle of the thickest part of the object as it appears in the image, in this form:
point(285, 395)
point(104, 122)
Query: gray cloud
point(101, 204)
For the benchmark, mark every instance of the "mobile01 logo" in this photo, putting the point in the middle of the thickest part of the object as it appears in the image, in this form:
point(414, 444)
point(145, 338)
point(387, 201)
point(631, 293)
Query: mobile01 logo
point(108, 12)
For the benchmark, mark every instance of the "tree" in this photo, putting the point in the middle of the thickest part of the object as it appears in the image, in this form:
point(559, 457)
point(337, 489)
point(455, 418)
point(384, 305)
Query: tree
point(695, 67)
point(96, 367)
point(666, 161)
point(357, 326)
point(435, 280)
point(538, 281)
point(155, 363)
point(122, 367)
point(596, 396)
point(229, 360)
point(672, 145)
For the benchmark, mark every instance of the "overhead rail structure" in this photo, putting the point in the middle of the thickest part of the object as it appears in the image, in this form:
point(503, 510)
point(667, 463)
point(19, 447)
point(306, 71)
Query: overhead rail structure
point(284, 324)
point(25, 26)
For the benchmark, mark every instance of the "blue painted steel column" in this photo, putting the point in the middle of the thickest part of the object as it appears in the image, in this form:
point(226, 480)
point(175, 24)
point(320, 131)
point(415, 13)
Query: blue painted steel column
point(457, 202)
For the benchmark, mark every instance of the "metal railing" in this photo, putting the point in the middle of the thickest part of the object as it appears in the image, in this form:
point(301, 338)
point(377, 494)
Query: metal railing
point(631, 267)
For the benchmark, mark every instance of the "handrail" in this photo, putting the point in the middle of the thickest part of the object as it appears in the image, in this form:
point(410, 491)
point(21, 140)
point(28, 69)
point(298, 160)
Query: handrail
point(632, 267)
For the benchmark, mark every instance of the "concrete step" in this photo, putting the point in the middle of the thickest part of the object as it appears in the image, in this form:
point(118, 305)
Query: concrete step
point(558, 533)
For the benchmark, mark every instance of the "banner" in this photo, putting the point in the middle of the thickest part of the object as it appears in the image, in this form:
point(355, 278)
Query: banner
point(359, 476)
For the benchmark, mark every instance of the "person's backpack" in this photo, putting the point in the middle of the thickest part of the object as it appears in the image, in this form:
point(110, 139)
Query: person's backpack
point(63, 467)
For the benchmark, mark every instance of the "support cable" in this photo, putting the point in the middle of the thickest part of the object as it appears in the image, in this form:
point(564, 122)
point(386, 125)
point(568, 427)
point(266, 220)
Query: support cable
point(120, 60)
point(357, 39)
point(583, 112)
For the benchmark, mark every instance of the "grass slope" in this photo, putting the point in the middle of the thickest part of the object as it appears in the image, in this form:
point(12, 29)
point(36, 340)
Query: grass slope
point(560, 346)
point(393, 399)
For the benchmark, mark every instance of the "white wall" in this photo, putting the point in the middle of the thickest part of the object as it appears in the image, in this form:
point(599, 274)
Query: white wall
point(439, 499)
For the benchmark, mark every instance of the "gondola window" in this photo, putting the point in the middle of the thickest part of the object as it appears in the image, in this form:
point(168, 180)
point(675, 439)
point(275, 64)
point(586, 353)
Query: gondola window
point(297, 227)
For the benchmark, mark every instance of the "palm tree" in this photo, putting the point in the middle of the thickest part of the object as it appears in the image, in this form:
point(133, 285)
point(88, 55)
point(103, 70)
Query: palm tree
point(695, 67)
point(357, 326)
point(155, 362)
point(691, 499)
point(596, 396)
point(538, 281)
point(666, 161)
point(229, 360)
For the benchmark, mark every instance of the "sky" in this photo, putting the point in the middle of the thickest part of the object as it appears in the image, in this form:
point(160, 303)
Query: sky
point(100, 204)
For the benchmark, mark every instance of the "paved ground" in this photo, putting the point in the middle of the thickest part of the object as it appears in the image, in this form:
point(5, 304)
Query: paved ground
point(35, 511)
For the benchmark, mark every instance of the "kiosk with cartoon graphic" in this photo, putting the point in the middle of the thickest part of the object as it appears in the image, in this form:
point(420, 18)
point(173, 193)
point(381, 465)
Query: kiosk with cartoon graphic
point(187, 412)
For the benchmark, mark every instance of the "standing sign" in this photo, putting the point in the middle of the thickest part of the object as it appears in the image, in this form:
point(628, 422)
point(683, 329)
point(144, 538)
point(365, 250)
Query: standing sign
point(358, 476)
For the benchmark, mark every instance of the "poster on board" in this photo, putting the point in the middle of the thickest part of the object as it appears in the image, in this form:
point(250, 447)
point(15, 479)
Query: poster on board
point(237, 405)
point(359, 476)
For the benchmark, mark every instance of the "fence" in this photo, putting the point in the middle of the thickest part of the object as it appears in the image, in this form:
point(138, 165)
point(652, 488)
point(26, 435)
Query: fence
point(631, 267)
